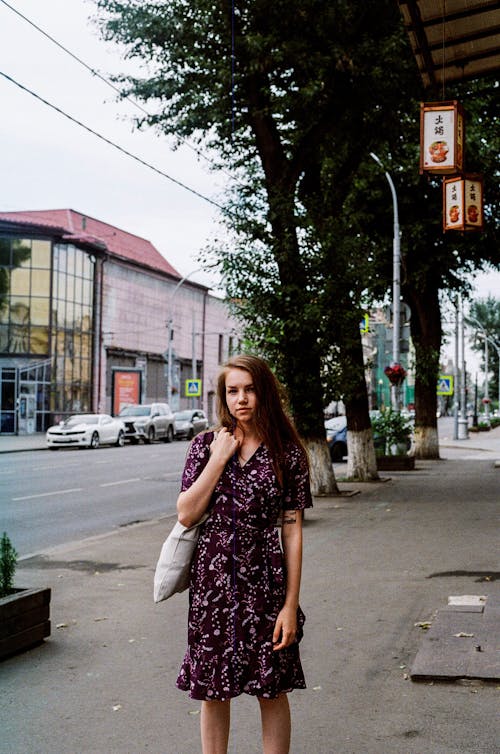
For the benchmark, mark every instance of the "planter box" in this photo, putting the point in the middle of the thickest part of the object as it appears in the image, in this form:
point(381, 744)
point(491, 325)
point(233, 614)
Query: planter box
point(24, 620)
point(395, 463)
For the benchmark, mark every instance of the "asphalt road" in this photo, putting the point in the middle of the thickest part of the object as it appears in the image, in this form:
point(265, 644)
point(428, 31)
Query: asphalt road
point(51, 498)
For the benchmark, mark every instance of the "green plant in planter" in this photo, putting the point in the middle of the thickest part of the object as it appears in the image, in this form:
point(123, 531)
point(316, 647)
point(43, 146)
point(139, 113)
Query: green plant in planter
point(391, 430)
point(8, 562)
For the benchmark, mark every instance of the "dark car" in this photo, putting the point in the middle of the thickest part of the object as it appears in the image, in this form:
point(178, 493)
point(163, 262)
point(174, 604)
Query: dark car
point(189, 423)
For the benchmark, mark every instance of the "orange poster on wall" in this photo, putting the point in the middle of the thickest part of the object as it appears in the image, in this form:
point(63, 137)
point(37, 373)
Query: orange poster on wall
point(126, 388)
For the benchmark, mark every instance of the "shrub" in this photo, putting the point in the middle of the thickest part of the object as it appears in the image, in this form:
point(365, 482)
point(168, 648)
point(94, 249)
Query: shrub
point(8, 561)
point(391, 428)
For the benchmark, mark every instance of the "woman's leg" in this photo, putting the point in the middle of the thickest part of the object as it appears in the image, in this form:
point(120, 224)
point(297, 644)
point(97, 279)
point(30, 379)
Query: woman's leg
point(214, 726)
point(276, 725)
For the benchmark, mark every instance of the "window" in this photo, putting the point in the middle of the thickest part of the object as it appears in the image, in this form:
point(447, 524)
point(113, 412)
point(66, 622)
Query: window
point(72, 323)
point(24, 296)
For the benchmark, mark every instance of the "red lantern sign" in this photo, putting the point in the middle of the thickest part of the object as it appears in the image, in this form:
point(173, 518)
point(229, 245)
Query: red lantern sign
point(463, 203)
point(441, 137)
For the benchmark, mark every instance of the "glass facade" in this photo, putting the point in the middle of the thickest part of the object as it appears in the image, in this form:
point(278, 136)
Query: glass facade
point(24, 296)
point(46, 324)
point(71, 330)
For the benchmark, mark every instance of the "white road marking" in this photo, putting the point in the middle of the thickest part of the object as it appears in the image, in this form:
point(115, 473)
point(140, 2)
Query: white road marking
point(47, 494)
point(122, 481)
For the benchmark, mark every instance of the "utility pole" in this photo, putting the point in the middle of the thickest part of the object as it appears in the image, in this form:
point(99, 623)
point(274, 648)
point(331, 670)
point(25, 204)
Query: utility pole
point(396, 281)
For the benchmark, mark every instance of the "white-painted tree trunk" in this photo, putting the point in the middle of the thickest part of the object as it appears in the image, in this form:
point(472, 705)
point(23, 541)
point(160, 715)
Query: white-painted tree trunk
point(322, 476)
point(361, 461)
point(426, 442)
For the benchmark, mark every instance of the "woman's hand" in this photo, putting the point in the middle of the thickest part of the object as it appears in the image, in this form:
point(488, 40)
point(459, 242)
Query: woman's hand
point(223, 446)
point(285, 629)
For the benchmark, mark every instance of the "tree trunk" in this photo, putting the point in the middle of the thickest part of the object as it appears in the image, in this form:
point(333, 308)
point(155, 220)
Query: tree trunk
point(322, 476)
point(361, 462)
point(425, 327)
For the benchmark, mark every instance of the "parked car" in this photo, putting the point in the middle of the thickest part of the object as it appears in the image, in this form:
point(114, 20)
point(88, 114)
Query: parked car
point(86, 431)
point(335, 423)
point(148, 422)
point(337, 444)
point(336, 437)
point(189, 423)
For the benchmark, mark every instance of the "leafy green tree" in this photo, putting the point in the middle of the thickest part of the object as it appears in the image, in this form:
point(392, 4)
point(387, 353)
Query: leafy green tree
point(434, 264)
point(290, 96)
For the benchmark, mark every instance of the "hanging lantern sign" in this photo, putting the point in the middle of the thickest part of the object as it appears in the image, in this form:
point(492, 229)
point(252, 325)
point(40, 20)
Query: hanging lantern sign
point(441, 137)
point(463, 203)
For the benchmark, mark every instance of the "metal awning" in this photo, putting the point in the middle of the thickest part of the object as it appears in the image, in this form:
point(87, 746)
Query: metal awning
point(453, 40)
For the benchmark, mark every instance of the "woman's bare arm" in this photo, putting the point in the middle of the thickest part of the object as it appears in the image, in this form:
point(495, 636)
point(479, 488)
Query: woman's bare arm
point(193, 502)
point(285, 629)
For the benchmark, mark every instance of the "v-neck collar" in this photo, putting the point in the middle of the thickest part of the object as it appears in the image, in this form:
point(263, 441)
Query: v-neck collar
point(250, 458)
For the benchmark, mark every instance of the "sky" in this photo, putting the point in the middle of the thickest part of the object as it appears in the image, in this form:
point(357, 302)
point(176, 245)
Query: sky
point(48, 162)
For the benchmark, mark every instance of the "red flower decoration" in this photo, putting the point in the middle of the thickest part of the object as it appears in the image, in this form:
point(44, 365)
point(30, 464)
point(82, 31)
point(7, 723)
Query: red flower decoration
point(396, 373)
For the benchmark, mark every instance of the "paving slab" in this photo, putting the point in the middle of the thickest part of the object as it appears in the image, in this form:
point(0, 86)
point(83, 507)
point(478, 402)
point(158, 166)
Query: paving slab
point(463, 642)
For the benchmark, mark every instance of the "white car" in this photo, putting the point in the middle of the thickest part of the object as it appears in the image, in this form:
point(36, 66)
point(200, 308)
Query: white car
point(86, 431)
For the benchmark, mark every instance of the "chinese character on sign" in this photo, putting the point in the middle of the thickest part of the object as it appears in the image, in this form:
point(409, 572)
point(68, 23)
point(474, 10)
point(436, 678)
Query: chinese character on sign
point(463, 203)
point(441, 137)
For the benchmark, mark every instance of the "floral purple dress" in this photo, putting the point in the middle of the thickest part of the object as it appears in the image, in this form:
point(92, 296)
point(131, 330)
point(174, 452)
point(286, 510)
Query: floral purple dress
point(238, 579)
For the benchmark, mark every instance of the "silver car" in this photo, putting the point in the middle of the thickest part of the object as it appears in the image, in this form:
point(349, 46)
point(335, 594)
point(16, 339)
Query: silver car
point(189, 423)
point(148, 422)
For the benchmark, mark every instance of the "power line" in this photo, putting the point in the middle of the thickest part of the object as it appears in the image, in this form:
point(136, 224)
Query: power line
point(116, 146)
point(106, 81)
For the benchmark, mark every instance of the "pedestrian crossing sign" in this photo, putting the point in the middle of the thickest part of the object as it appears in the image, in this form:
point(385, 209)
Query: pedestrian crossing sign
point(445, 384)
point(193, 388)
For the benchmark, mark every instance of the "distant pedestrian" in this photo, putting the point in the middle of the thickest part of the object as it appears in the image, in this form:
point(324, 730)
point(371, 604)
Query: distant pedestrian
point(245, 622)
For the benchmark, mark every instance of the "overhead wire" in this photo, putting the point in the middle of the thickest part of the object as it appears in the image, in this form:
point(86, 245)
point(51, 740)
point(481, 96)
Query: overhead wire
point(117, 146)
point(109, 83)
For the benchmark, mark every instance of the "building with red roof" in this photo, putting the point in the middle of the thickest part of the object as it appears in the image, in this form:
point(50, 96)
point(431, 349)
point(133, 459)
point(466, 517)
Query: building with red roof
point(83, 306)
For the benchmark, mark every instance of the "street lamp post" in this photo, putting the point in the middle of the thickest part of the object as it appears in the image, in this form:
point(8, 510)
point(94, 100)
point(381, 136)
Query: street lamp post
point(396, 281)
point(486, 399)
point(488, 339)
point(463, 431)
point(171, 333)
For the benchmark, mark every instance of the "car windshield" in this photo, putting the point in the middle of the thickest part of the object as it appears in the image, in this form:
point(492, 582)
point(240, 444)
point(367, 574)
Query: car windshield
point(183, 415)
point(84, 419)
point(135, 411)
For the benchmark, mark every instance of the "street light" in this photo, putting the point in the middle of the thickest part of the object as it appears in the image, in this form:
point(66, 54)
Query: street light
point(493, 343)
point(171, 332)
point(396, 279)
point(486, 399)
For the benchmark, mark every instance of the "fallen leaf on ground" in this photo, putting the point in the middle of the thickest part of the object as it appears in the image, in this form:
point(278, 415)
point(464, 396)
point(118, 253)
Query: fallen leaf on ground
point(424, 624)
point(463, 635)
point(116, 707)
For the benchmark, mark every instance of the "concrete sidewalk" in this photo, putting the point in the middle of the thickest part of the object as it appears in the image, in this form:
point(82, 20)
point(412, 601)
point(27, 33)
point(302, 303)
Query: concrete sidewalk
point(375, 565)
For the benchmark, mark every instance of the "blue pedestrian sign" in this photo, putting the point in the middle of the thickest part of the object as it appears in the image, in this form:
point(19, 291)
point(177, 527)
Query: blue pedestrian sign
point(445, 384)
point(193, 388)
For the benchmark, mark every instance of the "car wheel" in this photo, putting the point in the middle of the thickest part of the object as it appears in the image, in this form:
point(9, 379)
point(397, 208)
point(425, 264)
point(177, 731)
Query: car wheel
point(151, 435)
point(338, 451)
point(170, 434)
point(190, 434)
point(94, 442)
point(120, 440)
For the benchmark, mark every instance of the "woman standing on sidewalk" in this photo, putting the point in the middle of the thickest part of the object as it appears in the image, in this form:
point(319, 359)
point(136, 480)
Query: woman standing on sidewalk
point(245, 622)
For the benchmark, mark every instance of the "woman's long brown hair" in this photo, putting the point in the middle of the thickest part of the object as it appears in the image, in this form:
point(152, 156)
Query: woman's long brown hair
point(274, 426)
